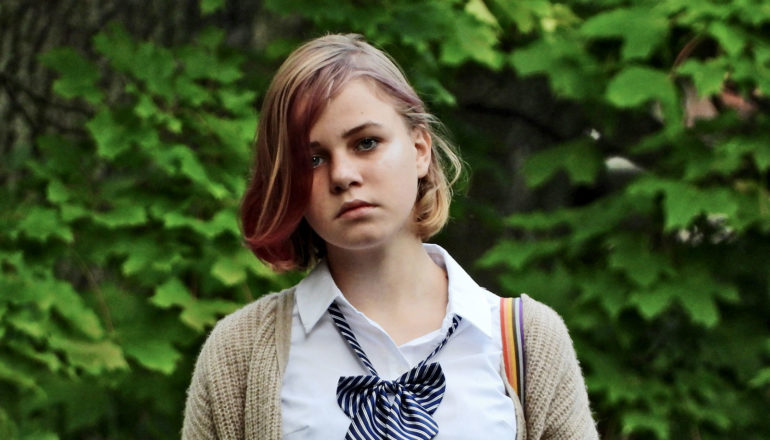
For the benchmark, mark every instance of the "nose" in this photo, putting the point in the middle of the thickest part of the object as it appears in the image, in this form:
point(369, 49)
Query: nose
point(344, 173)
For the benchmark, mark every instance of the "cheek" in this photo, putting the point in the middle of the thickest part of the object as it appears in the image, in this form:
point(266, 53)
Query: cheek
point(403, 183)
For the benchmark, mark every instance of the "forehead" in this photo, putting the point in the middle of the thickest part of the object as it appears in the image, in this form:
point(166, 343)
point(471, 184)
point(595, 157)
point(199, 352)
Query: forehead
point(358, 101)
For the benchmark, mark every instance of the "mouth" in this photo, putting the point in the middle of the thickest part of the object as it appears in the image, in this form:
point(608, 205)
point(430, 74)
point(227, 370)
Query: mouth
point(353, 205)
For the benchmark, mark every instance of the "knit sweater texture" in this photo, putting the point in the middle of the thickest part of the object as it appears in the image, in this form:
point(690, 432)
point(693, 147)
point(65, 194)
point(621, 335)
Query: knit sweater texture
point(235, 391)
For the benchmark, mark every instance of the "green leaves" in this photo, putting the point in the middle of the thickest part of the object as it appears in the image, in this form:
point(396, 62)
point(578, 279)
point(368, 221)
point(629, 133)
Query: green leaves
point(40, 224)
point(694, 290)
point(516, 254)
point(522, 15)
point(172, 293)
point(78, 75)
point(579, 159)
point(121, 246)
point(637, 85)
point(112, 137)
point(198, 314)
point(652, 265)
point(732, 39)
point(156, 355)
point(203, 64)
point(473, 39)
point(120, 216)
point(92, 357)
point(682, 202)
point(563, 59)
point(209, 6)
point(636, 260)
point(641, 29)
point(234, 269)
point(709, 76)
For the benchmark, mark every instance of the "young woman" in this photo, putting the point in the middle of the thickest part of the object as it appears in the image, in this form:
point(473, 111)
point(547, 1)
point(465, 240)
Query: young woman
point(386, 337)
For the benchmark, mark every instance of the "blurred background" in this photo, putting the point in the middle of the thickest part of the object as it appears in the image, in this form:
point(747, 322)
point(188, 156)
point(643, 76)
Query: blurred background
point(618, 170)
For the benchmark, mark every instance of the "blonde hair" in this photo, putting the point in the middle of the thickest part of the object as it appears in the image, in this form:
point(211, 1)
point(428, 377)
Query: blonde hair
point(276, 198)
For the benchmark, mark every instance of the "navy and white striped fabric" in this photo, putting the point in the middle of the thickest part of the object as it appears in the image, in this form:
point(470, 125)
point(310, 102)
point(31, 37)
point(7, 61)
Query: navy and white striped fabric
point(383, 409)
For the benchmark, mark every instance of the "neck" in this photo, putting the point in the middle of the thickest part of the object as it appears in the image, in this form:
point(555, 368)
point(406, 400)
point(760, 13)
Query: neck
point(398, 286)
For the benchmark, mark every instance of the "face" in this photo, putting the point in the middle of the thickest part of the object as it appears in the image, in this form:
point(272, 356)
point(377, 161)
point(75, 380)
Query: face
point(366, 165)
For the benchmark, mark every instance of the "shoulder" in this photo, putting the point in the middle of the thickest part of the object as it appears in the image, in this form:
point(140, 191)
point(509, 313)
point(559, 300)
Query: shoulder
point(544, 324)
point(239, 361)
point(549, 352)
point(253, 313)
point(239, 331)
point(546, 337)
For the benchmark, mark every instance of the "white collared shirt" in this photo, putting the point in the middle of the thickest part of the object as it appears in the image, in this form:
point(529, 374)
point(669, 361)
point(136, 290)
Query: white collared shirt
point(475, 403)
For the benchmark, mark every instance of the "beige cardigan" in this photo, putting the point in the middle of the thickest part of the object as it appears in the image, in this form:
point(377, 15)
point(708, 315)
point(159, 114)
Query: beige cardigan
point(236, 387)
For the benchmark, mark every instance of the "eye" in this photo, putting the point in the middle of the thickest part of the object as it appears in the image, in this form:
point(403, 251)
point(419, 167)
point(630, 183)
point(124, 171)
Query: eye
point(367, 144)
point(316, 160)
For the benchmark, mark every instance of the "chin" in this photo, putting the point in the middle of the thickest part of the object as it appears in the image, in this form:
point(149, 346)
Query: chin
point(360, 241)
point(360, 244)
point(368, 237)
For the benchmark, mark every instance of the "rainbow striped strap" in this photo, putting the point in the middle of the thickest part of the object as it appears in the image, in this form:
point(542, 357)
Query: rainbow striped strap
point(512, 331)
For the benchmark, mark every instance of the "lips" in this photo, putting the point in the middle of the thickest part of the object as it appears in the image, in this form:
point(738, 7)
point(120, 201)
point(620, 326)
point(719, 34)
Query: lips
point(351, 206)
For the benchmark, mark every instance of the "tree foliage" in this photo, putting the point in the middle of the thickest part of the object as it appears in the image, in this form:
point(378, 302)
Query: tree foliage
point(119, 245)
point(663, 277)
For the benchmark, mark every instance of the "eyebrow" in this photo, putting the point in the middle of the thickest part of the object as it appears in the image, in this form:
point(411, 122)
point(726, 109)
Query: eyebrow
point(351, 132)
point(348, 133)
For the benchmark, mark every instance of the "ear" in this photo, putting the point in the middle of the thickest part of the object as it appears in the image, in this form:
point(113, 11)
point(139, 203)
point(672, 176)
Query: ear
point(423, 147)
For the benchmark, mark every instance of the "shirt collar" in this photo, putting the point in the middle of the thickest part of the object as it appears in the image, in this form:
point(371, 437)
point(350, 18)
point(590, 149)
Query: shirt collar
point(315, 293)
point(466, 298)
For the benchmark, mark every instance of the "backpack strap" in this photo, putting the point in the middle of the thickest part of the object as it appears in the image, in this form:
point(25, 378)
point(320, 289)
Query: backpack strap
point(512, 331)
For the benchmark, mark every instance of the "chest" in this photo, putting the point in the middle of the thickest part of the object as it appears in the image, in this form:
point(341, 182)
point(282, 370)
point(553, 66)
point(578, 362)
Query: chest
point(475, 399)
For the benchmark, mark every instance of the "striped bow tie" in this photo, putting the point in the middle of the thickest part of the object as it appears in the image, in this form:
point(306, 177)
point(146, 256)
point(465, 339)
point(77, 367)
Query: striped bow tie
point(390, 409)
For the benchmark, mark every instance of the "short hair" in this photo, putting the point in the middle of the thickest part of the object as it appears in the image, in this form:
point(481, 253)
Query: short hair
point(278, 193)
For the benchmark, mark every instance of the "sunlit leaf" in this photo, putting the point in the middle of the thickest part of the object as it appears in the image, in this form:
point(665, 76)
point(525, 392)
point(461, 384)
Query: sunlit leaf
point(563, 60)
point(112, 138)
point(71, 306)
point(153, 354)
point(209, 6)
point(479, 10)
point(731, 38)
point(709, 77)
point(202, 314)
point(56, 192)
point(762, 378)
point(172, 293)
point(579, 159)
point(637, 85)
point(16, 375)
point(515, 254)
point(228, 271)
point(93, 357)
point(636, 259)
point(641, 30)
point(79, 76)
point(651, 303)
point(683, 202)
point(41, 224)
point(122, 215)
point(471, 40)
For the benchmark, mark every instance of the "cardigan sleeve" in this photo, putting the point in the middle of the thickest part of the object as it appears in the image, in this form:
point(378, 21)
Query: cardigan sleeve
point(198, 419)
point(235, 389)
point(556, 397)
point(217, 393)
